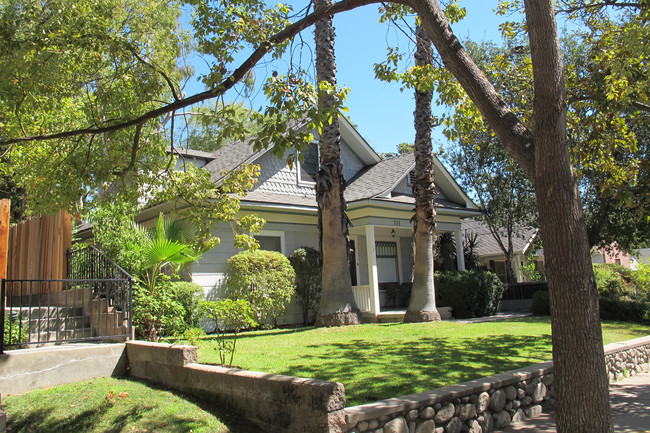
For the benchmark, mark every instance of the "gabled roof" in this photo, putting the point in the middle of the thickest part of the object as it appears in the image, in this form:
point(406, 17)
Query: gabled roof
point(488, 246)
point(379, 179)
point(230, 157)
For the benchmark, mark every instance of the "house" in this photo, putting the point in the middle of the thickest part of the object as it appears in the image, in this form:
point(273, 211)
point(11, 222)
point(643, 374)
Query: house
point(380, 206)
point(491, 255)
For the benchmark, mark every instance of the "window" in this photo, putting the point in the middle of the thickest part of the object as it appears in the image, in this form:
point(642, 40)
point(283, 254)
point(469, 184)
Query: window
point(410, 180)
point(271, 240)
point(387, 262)
point(308, 169)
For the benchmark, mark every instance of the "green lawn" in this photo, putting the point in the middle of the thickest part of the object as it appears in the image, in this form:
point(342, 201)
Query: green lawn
point(377, 361)
point(114, 405)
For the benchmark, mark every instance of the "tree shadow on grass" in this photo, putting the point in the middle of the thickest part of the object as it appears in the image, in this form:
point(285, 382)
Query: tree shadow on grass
point(50, 418)
point(390, 368)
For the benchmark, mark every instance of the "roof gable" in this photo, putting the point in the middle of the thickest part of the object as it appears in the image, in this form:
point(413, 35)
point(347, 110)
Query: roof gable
point(233, 155)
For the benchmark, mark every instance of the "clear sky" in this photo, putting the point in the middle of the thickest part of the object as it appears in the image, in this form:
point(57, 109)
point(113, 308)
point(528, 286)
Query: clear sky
point(383, 114)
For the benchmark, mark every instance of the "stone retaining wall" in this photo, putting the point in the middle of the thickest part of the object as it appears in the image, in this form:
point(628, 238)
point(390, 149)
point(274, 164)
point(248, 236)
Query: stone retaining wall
point(486, 404)
point(273, 402)
point(627, 358)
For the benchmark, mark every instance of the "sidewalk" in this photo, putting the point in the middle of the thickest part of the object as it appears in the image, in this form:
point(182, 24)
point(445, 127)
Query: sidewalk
point(630, 399)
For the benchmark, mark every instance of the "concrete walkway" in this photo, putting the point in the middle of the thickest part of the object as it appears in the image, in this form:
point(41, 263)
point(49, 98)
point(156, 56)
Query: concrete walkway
point(630, 399)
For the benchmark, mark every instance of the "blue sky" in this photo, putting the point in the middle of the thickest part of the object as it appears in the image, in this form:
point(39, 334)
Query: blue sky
point(383, 114)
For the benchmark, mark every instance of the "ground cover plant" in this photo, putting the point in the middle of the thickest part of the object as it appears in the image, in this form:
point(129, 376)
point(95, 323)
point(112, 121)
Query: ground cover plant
point(114, 405)
point(377, 361)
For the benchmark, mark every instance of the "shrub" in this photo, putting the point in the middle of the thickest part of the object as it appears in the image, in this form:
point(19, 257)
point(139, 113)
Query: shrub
point(157, 314)
point(540, 305)
point(627, 311)
point(189, 296)
point(230, 315)
point(470, 293)
point(614, 281)
point(641, 278)
point(263, 278)
point(15, 331)
point(306, 264)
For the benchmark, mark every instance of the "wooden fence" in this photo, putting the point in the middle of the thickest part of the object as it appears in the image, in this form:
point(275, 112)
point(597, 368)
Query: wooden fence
point(37, 248)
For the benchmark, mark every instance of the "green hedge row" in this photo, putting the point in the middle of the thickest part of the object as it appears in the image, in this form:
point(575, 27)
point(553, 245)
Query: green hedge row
point(610, 309)
point(470, 293)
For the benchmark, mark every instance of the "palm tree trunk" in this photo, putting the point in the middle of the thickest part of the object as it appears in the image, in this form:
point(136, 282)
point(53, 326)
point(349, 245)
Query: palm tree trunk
point(422, 307)
point(337, 306)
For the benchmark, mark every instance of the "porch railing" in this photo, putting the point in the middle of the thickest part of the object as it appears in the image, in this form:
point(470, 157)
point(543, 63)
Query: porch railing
point(363, 297)
point(93, 303)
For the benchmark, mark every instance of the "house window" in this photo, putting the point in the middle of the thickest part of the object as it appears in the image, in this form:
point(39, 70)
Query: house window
point(387, 262)
point(271, 240)
point(410, 180)
point(308, 168)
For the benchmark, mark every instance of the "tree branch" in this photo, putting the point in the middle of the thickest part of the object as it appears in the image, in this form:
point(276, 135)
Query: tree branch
point(134, 152)
point(239, 73)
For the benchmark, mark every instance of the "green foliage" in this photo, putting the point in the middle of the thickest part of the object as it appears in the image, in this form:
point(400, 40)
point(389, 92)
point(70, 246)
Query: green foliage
point(190, 296)
point(627, 311)
point(614, 281)
point(470, 293)
point(230, 315)
point(642, 279)
point(529, 269)
point(444, 250)
point(306, 264)
point(470, 244)
point(156, 312)
point(263, 278)
point(15, 331)
point(117, 235)
point(69, 65)
point(541, 305)
point(165, 249)
point(193, 336)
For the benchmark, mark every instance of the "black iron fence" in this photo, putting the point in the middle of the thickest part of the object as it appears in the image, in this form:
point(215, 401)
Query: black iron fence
point(94, 303)
point(519, 291)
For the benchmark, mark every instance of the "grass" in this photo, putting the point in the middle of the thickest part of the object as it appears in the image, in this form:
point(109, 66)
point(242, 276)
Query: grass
point(114, 405)
point(377, 361)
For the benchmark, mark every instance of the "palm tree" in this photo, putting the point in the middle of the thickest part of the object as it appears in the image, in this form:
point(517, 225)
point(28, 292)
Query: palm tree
point(422, 307)
point(164, 248)
point(337, 306)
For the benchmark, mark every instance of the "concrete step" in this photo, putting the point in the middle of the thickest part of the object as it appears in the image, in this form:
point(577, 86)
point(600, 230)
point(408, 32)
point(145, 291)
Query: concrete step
point(59, 323)
point(45, 337)
point(34, 313)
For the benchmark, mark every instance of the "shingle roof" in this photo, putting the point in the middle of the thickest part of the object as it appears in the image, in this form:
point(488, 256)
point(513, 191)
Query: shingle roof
point(379, 179)
point(192, 153)
point(283, 199)
point(488, 246)
point(229, 157)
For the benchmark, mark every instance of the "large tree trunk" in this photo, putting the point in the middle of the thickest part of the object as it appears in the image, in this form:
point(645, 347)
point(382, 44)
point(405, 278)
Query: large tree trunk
point(581, 392)
point(337, 305)
point(422, 307)
point(580, 378)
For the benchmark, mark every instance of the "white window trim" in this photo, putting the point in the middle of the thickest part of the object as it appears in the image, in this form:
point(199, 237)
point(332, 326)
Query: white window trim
point(275, 233)
point(307, 183)
point(399, 253)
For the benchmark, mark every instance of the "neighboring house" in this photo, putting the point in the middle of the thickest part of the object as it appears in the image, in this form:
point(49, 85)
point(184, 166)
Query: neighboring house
point(616, 256)
point(380, 207)
point(491, 256)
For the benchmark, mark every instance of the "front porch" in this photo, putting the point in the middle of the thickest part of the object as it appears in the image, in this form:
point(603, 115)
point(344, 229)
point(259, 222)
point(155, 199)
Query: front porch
point(382, 274)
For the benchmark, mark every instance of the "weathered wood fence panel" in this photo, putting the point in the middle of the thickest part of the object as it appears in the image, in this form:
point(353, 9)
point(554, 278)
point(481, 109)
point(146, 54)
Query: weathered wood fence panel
point(37, 248)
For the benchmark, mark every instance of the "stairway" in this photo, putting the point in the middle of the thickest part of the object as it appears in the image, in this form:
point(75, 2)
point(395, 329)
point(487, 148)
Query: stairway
point(69, 315)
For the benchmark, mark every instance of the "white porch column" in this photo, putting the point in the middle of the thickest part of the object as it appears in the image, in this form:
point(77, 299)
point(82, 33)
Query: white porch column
point(372, 269)
point(460, 256)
